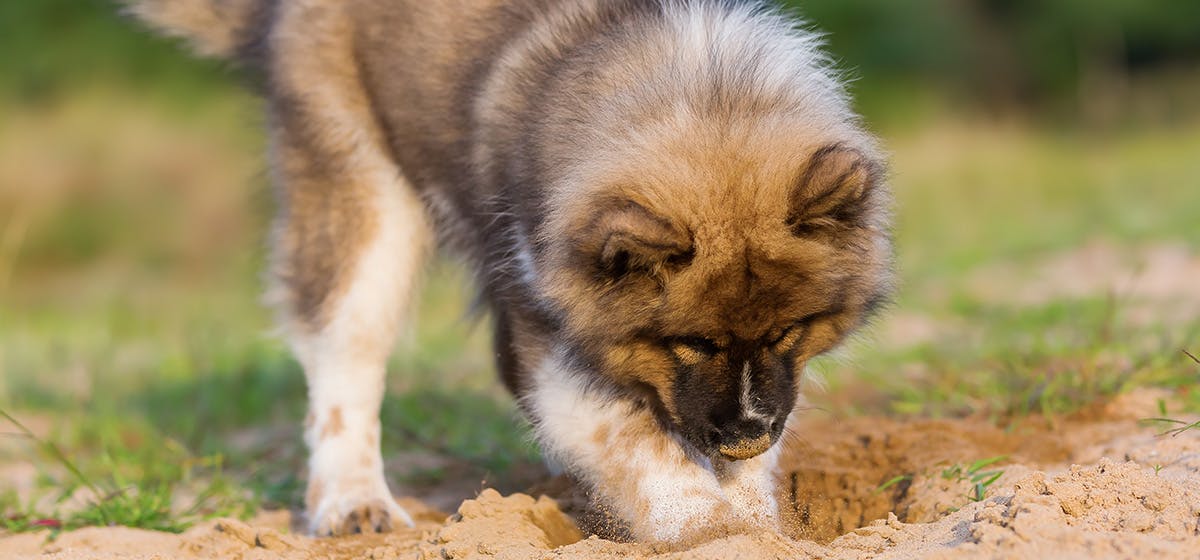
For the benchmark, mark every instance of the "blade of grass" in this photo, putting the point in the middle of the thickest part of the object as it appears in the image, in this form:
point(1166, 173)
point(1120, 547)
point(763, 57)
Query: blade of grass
point(54, 451)
point(1183, 425)
point(984, 463)
point(893, 481)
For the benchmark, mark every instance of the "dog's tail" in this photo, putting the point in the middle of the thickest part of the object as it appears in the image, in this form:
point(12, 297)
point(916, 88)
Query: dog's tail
point(214, 28)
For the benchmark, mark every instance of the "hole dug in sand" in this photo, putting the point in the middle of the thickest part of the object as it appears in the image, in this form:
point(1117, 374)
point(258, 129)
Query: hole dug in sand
point(833, 478)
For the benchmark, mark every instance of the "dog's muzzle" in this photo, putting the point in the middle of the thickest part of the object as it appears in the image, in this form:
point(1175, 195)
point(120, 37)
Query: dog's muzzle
point(746, 448)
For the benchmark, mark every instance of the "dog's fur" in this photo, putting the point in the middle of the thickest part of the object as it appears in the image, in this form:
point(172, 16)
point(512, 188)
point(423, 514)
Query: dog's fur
point(668, 205)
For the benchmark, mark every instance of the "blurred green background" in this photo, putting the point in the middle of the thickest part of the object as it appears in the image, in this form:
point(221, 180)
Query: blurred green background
point(1047, 173)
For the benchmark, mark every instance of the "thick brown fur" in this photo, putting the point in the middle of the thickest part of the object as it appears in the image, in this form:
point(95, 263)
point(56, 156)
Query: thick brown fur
point(672, 198)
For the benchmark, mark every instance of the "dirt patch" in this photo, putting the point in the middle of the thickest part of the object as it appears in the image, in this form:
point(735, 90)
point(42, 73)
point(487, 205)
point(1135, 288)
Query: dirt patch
point(1096, 482)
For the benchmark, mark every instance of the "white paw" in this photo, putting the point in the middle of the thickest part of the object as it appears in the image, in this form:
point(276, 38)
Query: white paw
point(679, 506)
point(750, 488)
point(350, 512)
point(681, 518)
point(347, 492)
point(755, 506)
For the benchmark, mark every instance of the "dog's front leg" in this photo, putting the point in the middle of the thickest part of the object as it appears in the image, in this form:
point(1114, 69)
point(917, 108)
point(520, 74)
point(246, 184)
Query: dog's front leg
point(750, 485)
point(639, 471)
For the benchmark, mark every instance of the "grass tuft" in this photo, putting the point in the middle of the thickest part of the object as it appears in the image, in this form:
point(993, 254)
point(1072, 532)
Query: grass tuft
point(980, 479)
point(173, 494)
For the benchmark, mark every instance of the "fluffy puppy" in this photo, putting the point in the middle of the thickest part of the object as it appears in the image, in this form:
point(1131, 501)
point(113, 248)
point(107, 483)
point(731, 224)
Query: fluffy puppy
point(668, 205)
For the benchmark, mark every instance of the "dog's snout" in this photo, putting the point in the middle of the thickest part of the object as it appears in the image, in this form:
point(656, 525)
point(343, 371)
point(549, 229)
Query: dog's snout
point(744, 438)
point(747, 448)
point(736, 410)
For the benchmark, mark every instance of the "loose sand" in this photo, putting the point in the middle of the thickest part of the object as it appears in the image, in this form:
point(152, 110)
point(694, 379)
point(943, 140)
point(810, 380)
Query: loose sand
point(1093, 485)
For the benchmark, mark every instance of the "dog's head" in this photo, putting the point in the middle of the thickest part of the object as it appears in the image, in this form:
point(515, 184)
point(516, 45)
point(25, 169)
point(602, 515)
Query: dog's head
point(715, 217)
point(706, 274)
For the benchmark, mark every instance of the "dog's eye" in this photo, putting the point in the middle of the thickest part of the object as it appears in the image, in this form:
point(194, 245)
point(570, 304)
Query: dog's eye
point(788, 337)
point(692, 350)
point(793, 334)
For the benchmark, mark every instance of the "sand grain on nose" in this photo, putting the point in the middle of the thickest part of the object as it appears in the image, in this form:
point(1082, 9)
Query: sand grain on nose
point(746, 448)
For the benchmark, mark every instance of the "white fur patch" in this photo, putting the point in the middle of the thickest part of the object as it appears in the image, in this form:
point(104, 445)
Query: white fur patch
point(746, 400)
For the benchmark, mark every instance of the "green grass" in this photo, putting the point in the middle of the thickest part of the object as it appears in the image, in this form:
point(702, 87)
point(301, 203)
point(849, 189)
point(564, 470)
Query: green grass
point(973, 473)
point(153, 484)
point(1180, 426)
point(133, 206)
point(1175, 427)
point(1051, 359)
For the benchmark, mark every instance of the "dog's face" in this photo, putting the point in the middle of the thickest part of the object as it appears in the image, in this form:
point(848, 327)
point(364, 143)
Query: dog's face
point(708, 274)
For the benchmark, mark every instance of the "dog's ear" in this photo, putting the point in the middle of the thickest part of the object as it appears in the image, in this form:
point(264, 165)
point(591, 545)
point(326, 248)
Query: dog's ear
point(624, 237)
point(833, 190)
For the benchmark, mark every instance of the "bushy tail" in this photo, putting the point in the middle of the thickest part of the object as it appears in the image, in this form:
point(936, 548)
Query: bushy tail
point(215, 28)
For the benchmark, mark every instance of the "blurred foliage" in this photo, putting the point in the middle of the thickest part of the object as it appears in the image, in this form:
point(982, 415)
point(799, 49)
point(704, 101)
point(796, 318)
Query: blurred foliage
point(53, 47)
point(1074, 56)
point(1077, 58)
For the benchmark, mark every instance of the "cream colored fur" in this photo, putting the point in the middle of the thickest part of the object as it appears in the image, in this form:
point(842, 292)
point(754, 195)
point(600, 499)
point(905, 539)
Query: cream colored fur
point(665, 491)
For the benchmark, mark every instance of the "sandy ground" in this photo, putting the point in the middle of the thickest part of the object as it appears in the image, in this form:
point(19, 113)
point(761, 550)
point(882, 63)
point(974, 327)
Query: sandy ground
point(1093, 485)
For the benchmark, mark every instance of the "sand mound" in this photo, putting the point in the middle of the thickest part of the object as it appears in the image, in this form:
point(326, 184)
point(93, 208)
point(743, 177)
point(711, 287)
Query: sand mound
point(1096, 485)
